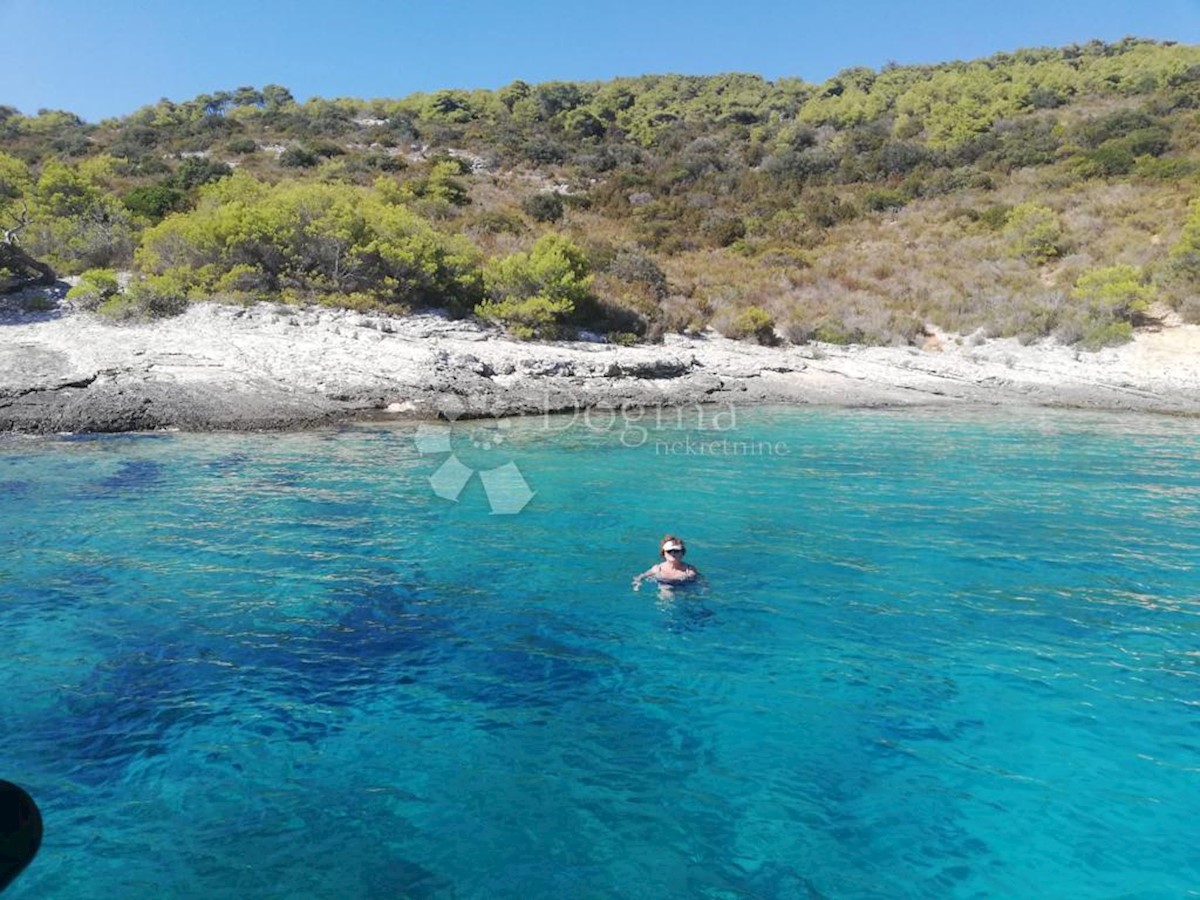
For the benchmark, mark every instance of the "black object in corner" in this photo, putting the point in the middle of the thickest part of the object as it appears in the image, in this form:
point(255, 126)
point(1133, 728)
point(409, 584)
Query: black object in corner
point(20, 831)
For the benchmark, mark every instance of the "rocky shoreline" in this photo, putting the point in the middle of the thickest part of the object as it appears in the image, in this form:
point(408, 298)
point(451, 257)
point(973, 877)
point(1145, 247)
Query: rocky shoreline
point(270, 367)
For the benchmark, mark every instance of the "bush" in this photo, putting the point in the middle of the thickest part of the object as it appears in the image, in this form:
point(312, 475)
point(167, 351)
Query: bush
point(1148, 142)
point(1093, 333)
point(721, 229)
point(297, 157)
point(1114, 293)
point(498, 222)
point(1115, 125)
point(753, 323)
point(451, 165)
point(153, 297)
point(442, 184)
point(800, 165)
point(1189, 310)
point(544, 152)
point(327, 149)
point(827, 209)
point(799, 332)
point(1034, 233)
point(833, 331)
point(1111, 158)
point(381, 162)
point(314, 239)
point(196, 171)
point(994, 217)
point(1165, 169)
point(884, 200)
point(534, 294)
point(95, 286)
point(242, 280)
point(1106, 334)
point(543, 207)
point(635, 267)
point(1184, 263)
point(154, 201)
point(242, 146)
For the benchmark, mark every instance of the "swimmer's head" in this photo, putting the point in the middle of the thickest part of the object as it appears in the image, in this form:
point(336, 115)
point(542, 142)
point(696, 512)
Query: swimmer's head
point(671, 547)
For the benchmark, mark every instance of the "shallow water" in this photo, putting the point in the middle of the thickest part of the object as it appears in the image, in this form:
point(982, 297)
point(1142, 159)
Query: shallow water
point(942, 655)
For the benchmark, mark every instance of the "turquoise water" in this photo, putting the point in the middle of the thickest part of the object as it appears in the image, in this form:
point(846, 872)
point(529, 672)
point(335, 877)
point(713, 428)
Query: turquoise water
point(941, 655)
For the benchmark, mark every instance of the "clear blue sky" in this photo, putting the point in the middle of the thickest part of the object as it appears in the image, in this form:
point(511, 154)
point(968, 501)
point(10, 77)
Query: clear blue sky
point(102, 58)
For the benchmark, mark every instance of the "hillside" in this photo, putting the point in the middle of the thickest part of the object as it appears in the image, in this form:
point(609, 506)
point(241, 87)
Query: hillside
point(1039, 192)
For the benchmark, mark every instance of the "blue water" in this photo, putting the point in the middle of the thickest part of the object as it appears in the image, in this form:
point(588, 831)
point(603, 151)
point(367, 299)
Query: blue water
point(941, 655)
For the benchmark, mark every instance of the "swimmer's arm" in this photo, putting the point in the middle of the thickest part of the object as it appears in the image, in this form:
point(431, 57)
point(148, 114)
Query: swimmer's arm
point(649, 573)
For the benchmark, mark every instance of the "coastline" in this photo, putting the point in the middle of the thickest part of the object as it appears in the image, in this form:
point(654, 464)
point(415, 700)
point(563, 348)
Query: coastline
point(271, 367)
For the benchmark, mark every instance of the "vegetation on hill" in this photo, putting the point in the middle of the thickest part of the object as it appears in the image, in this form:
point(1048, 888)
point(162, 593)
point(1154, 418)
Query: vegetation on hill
point(1044, 191)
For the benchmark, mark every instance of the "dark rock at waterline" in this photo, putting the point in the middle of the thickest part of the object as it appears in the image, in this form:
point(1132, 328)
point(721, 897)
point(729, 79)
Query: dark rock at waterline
point(109, 402)
point(102, 404)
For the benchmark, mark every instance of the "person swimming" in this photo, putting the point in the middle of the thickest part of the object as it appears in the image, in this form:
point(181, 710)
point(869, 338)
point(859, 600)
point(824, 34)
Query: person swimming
point(672, 571)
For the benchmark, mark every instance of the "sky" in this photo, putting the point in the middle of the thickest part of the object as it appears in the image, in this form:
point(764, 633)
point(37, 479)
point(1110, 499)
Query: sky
point(101, 58)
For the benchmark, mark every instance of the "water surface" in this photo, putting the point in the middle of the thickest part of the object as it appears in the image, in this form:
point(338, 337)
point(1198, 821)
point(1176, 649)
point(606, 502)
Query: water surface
point(942, 655)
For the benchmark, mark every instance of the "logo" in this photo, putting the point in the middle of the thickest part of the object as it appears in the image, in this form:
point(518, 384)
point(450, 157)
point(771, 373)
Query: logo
point(506, 488)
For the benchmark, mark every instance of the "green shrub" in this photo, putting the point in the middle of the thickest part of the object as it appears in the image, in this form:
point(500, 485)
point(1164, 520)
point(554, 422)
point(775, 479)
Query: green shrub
point(442, 184)
point(995, 217)
point(196, 171)
point(297, 157)
point(722, 229)
point(832, 331)
point(152, 297)
point(1034, 233)
point(576, 201)
point(243, 281)
point(543, 207)
point(314, 239)
point(154, 201)
point(498, 222)
point(1115, 293)
point(534, 294)
point(381, 162)
point(1099, 334)
point(1148, 141)
point(1109, 159)
point(120, 309)
point(242, 146)
point(359, 302)
point(451, 165)
point(1115, 125)
point(622, 338)
point(95, 286)
point(159, 296)
point(327, 149)
point(1165, 169)
point(884, 200)
point(753, 323)
point(1184, 260)
point(75, 224)
point(827, 209)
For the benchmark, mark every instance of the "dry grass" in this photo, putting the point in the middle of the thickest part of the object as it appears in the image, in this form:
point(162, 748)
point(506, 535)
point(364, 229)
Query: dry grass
point(882, 278)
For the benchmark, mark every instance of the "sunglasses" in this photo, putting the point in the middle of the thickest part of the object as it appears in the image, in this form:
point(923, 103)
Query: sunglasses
point(674, 550)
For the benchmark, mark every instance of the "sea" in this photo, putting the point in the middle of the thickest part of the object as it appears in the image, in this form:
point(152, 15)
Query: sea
point(938, 654)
